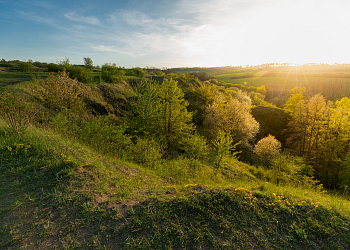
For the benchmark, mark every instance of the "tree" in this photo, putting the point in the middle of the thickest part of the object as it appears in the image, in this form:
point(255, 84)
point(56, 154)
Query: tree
point(199, 97)
point(267, 149)
point(320, 131)
point(174, 121)
point(88, 63)
point(160, 112)
point(233, 117)
point(223, 145)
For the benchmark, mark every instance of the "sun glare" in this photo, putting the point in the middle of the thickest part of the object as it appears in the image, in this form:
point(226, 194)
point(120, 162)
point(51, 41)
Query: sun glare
point(303, 33)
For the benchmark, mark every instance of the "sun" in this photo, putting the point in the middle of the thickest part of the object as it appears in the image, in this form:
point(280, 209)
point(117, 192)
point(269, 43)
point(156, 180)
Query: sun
point(307, 32)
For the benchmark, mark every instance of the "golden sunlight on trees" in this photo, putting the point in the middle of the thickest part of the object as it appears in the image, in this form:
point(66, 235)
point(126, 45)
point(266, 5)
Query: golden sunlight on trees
point(232, 116)
point(320, 131)
point(267, 149)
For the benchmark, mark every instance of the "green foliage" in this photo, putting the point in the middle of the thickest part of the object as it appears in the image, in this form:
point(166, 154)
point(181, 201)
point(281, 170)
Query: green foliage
point(146, 152)
point(88, 63)
point(344, 174)
point(160, 112)
point(112, 73)
point(52, 67)
point(81, 74)
point(138, 72)
point(173, 120)
point(223, 145)
point(199, 97)
point(26, 67)
point(14, 111)
point(267, 149)
point(291, 170)
point(194, 146)
point(59, 92)
point(232, 116)
point(105, 136)
point(319, 130)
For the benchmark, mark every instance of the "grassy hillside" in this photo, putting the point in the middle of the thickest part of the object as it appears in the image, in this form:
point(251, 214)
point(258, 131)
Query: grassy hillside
point(56, 193)
point(76, 180)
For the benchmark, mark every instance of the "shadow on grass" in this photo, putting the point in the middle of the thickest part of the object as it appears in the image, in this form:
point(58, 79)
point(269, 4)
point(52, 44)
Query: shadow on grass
point(45, 205)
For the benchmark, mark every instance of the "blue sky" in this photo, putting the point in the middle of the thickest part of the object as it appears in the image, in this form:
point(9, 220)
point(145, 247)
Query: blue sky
point(176, 33)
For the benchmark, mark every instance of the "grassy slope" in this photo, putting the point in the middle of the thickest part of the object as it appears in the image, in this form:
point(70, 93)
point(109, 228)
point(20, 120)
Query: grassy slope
point(10, 78)
point(60, 194)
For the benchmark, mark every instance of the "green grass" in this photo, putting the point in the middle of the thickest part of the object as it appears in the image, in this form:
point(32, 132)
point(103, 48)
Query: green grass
point(57, 193)
point(189, 71)
point(279, 82)
point(11, 78)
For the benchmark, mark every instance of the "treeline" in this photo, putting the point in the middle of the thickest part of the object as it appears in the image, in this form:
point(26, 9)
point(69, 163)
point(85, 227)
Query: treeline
point(319, 130)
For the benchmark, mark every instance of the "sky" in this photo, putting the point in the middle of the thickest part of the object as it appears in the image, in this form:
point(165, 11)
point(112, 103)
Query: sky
point(176, 33)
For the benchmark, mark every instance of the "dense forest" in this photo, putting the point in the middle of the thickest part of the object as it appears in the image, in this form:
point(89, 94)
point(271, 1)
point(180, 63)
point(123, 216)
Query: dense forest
point(184, 124)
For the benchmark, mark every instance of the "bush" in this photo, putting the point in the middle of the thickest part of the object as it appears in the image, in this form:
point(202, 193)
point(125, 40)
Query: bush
point(344, 174)
point(138, 72)
point(52, 67)
point(14, 111)
point(146, 152)
point(194, 146)
point(81, 74)
point(292, 170)
point(26, 67)
point(267, 149)
point(112, 74)
point(59, 92)
point(105, 136)
point(223, 147)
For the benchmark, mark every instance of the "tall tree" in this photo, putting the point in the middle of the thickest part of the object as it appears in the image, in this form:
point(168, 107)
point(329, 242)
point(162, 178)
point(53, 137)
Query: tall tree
point(160, 111)
point(231, 116)
point(88, 63)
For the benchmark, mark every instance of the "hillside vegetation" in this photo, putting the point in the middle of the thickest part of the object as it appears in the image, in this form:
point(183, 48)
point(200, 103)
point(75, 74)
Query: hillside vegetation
point(148, 159)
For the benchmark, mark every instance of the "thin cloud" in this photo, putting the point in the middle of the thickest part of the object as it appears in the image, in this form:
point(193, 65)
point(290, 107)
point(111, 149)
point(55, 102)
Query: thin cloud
point(77, 18)
point(114, 49)
point(33, 17)
point(43, 4)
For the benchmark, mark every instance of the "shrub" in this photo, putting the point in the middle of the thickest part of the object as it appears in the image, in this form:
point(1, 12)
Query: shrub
point(59, 92)
point(105, 136)
point(26, 67)
point(81, 74)
point(138, 72)
point(267, 149)
point(52, 67)
point(112, 74)
point(14, 111)
point(146, 152)
point(194, 146)
point(292, 170)
point(344, 174)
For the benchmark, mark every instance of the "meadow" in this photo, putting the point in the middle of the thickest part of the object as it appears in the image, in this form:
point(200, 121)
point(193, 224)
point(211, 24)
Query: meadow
point(280, 82)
